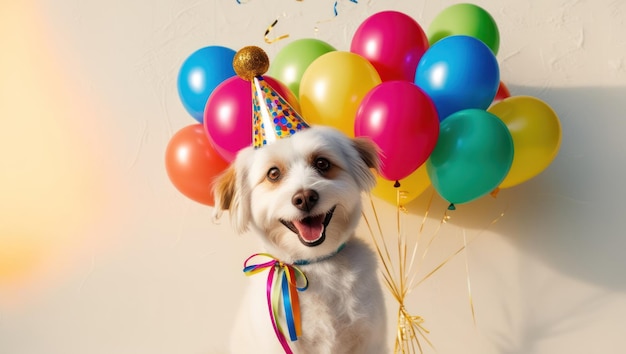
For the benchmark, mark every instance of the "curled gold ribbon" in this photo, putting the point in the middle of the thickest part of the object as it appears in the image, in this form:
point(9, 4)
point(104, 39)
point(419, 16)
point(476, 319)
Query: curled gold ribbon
point(276, 39)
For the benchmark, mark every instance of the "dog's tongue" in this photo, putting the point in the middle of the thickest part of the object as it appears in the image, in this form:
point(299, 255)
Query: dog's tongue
point(311, 228)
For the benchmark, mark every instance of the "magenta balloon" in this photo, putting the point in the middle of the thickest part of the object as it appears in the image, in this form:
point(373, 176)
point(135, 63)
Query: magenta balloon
point(228, 117)
point(402, 120)
point(393, 42)
point(228, 114)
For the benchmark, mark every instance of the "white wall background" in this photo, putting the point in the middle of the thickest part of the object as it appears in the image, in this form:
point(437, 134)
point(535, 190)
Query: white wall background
point(100, 254)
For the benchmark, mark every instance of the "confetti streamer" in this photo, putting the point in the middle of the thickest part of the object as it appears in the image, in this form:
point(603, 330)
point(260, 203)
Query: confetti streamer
point(273, 40)
point(337, 3)
point(335, 11)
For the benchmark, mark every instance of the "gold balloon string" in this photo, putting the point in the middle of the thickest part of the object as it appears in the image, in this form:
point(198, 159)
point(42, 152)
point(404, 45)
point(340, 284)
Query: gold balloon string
point(431, 240)
point(384, 258)
point(467, 274)
point(427, 211)
point(410, 330)
point(411, 334)
point(467, 270)
point(418, 240)
point(461, 249)
point(444, 219)
point(387, 255)
point(427, 276)
point(401, 244)
point(276, 39)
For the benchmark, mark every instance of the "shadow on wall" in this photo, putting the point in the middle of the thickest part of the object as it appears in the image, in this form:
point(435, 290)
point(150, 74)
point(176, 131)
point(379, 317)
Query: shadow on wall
point(572, 216)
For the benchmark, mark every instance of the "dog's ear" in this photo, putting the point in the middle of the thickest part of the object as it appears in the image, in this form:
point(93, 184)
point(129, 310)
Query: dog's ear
point(231, 193)
point(223, 190)
point(368, 151)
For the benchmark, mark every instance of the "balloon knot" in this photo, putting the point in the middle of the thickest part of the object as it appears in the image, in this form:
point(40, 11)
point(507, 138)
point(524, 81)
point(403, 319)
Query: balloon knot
point(396, 185)
point(451, 206)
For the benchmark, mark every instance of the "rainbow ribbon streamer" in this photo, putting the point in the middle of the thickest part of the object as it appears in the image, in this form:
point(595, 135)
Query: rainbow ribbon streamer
point(282, 284)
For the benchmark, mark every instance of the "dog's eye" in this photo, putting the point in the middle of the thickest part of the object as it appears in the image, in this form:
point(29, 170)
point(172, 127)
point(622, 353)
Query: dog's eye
point(322, 164)
point(273, 174)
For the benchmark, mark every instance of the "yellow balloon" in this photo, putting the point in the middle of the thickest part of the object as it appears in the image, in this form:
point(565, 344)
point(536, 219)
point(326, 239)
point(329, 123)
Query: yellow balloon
point(410, 187)
point(333, 86)
point(536, 133)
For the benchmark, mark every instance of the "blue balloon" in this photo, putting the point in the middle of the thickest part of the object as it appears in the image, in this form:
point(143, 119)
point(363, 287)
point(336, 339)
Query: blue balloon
point(200, 74)
point(458, 72)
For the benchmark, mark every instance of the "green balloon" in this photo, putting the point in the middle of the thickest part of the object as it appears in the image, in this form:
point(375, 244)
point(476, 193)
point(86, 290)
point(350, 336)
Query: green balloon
point(465, 19)
point(293, 59)
point(473, 155)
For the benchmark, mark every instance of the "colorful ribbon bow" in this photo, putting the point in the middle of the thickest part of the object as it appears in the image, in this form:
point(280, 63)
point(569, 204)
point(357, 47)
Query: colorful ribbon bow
point(282, 281)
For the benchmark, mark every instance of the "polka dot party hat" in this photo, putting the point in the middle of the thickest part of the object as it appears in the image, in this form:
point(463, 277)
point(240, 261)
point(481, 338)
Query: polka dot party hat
point(273, 117)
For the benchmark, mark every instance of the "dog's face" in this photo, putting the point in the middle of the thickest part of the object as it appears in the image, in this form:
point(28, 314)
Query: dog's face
point(301, 194)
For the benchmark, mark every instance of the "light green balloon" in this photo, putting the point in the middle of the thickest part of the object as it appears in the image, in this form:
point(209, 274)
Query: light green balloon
point(473, 155)
point(465, 19)
point(293, 59)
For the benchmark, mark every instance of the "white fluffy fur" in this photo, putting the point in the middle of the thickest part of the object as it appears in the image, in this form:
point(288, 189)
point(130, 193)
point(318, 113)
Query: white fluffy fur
point(343, 308)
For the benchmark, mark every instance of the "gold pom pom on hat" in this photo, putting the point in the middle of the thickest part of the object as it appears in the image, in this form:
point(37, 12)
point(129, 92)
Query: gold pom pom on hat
point(272, 116)
point(250, 61)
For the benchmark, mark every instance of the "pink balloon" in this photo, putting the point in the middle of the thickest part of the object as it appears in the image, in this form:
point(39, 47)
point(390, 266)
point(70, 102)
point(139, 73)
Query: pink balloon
point(402, 120)
point(228, 114)
point(393, 42)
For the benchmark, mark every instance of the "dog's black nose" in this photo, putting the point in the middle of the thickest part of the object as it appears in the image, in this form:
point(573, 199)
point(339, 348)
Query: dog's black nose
point(305, 199)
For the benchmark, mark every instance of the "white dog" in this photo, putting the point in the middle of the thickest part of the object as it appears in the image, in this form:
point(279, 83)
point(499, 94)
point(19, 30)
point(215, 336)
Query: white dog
point(302, 196)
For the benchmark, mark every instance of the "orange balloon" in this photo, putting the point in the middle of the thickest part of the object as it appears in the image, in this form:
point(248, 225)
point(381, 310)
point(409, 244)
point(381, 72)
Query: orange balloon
point(192, 163)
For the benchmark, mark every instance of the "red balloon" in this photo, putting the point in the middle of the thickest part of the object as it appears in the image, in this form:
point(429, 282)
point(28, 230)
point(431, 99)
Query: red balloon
point(228, 114)
point(402, 120)
point(393, 42)
point(502, 93)
point(192, 163)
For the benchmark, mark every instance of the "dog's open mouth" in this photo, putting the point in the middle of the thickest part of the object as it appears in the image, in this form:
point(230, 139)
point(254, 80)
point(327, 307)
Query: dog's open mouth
point(312, 229)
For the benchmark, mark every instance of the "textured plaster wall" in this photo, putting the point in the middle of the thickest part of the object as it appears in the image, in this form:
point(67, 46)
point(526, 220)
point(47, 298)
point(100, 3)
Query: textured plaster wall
point(100, 254)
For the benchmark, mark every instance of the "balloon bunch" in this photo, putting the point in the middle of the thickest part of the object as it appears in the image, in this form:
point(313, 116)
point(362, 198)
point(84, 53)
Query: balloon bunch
point(432, 101)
